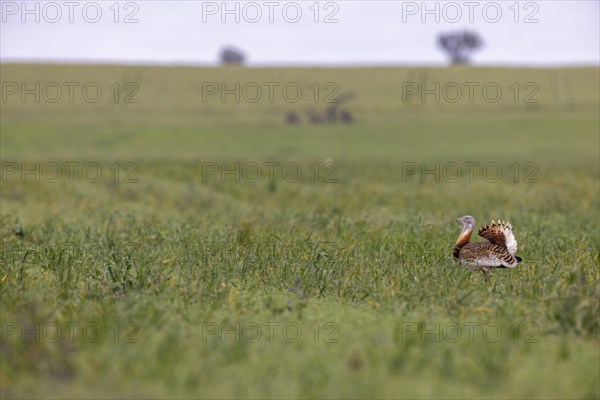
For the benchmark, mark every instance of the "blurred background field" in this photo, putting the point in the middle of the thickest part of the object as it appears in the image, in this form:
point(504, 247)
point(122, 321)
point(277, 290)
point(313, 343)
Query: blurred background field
point(172, 250)
point(174, 115)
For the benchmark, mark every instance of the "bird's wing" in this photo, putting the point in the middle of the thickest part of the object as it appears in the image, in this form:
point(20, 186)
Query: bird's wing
point(500, 233)
point(488, 255)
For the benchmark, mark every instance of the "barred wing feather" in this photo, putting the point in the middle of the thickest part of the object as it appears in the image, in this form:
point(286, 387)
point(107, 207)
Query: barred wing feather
point(500, 234)
point(488, 255)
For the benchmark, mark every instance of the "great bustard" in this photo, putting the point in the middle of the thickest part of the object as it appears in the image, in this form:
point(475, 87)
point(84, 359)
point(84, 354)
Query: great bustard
point(498, 252)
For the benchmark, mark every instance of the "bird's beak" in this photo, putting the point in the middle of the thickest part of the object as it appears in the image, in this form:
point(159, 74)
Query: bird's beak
point(458, 219)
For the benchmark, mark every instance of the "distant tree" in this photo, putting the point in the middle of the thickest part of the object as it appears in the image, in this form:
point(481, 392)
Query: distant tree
point(460, 45)
point(230, 55)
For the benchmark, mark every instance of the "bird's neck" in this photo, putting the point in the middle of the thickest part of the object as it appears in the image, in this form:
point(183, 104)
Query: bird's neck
point(463, 239)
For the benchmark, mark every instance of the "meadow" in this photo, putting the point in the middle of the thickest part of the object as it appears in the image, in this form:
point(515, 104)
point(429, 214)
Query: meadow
point(167, 236)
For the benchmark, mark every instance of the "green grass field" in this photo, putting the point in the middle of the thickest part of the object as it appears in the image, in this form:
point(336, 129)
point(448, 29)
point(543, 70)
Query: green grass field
point(168, 247)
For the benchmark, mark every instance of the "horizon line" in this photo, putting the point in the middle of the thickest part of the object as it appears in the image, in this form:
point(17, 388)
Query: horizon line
point(357, 64)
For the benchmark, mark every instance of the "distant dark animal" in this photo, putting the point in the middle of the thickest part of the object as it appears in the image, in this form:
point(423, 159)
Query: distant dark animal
point(292, 118)
point(315, 117)
point(346, 117)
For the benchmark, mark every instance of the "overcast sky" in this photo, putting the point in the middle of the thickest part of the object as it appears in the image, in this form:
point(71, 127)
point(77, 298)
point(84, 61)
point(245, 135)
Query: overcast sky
point(301, 32)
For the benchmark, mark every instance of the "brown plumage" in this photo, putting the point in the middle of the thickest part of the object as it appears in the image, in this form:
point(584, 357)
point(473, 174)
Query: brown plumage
point(498, 252)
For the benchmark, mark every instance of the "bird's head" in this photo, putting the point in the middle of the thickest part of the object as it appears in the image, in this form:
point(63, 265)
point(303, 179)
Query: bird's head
point(467, 221)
